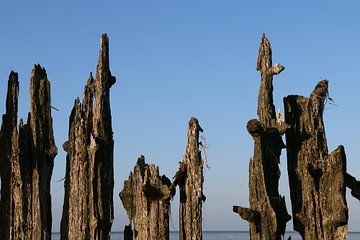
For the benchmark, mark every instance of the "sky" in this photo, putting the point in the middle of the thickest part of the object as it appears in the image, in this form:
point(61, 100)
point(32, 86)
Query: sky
point(177, 59)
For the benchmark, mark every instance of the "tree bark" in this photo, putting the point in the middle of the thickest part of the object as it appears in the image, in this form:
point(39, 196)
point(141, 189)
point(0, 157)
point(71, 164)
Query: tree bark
point(317, 179)
point(27, 159)
point(146, 198)
point(191, 187)
point(267, 214)
point(89, 180)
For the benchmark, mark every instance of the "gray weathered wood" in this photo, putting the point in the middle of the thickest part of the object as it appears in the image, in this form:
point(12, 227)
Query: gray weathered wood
point(89, 181)
point(267, 214)
point(146, 199)
point(191, 186)
point(317, 178)
point(26, 162)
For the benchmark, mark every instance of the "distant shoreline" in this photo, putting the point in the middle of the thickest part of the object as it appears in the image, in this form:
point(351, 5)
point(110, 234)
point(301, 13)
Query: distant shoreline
point(217, 231)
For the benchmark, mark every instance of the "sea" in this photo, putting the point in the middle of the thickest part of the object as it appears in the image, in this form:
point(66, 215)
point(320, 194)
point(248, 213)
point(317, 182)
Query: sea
point(217, 235)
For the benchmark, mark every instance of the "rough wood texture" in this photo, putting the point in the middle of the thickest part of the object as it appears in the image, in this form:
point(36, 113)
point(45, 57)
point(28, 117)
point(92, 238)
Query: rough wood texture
point(11, 203)
point(191, 187)
point(317, 179)
point(89, 180)
point(267, 214)
point(146, 199)
point(26, 162)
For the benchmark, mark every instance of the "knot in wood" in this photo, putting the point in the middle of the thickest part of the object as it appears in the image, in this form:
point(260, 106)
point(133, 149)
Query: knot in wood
point(254, 128)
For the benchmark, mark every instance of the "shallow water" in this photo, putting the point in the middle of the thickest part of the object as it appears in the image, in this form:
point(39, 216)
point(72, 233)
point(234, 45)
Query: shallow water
point(217, 236)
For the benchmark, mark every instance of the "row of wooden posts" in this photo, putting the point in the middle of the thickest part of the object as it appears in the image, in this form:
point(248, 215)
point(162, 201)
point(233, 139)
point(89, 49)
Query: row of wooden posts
point(27, 152)
point(318, 180)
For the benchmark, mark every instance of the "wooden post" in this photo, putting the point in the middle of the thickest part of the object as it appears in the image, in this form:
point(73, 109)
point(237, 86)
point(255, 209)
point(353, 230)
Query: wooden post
point(89, 180)
point(26, 162)
point(267, 214)
point(191, 186)
point(146, 199)
point(317, 179)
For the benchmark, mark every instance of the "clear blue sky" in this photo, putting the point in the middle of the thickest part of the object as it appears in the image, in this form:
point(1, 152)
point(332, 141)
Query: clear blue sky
point(177, 59)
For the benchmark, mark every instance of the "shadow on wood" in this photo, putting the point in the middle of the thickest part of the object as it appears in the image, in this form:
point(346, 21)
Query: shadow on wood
point(317, 178)
point(26, 162)
point(146, 199)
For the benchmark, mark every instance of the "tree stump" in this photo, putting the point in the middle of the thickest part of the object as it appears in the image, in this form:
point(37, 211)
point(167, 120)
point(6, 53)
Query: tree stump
point(317, 178)
point(26, 162)
point(89, 180)
point(191, 186)
point(267, 214)
point(146, 199)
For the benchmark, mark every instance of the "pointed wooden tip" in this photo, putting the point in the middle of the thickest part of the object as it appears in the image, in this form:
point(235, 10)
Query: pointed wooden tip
point(104, 43)
point(104, 38)
point(90, 77)
point(323, 84)
point(195, 121)
point(38, 73)
point(263, 37)
point(321, 91)
point(264, 55)
point(141, 161)
point(89, 83)
point(103, 67)
point(12, 99)
point(103, 62)
point(38, 70)
point(13, 75)
point(13, 81)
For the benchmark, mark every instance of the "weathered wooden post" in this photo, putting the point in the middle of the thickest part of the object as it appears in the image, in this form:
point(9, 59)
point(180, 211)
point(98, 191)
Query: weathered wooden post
point(191, 186)
point(89, 180)
point(317, 179)
point(267, 214)
point(26, 162)
point(146, 199)
point(10, 204)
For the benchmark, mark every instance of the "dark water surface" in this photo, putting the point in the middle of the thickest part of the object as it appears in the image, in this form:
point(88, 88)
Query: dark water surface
point(217, 236)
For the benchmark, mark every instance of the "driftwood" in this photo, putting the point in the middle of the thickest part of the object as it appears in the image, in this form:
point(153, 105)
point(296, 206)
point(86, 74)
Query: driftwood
point(89, 180)
point(146, 199)
point(267, 214)
point(26, 162)
point(190, 182)
point(317, 179)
